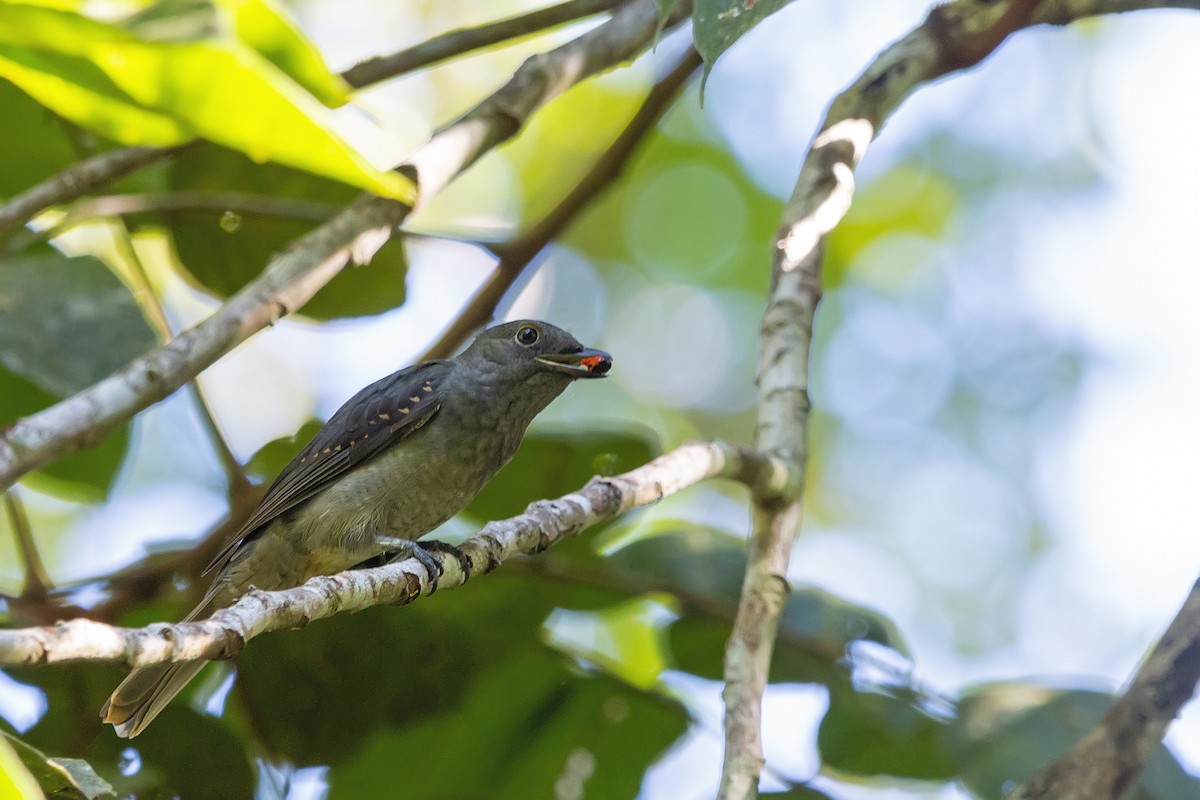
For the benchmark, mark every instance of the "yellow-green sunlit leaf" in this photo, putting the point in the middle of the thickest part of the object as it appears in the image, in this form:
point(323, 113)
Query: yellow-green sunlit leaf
point(628, 640)
point(144, 92)
point(265, 27)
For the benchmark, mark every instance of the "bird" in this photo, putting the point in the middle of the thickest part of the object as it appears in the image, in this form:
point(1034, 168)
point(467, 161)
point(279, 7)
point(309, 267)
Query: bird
point(398, 459)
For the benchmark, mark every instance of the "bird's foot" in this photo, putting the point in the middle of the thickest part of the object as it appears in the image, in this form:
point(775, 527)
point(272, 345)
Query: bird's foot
point(464, 561)
point(400, 549)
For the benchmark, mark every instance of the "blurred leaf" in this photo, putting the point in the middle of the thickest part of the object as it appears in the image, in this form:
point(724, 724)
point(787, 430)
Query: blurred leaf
point(59, 777)
point(152, 93)
point(224, 251)
point(553, 463)
point(86, 475)
point(67, 322)
point(525, 728)
point(687, 210)
point(408, 664)
point(349, 677)
point(272, 457)
point(34, 132)
point(797, 793)
point(865, 733)
point(817, 615)
point(719, 23)
point(1006, 732)
point(705, 568)
point(627, 640)
point(26, 774)
point(184, 754)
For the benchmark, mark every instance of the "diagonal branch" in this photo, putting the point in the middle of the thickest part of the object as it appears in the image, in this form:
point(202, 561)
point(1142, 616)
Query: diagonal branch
point(1109, 759)
point(517, 255)
point(953, 37)
point(464, 40)
point(543, 523)
point(289, 280)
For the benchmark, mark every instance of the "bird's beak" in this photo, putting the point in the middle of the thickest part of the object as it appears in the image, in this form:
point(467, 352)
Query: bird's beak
point(586, 363)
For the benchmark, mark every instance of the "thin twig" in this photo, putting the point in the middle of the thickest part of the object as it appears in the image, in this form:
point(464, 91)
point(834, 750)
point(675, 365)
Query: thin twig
point(517, 255)
point(464, 40)
point(125, 205)
point(353, 235)
point(37, 580)
point(544, 523)
point(953, 37)
point(147, 297)
point(77, 180)
point(1105, 764)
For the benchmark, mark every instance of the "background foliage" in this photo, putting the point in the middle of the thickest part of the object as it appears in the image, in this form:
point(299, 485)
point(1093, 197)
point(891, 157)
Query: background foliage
point(929, 584)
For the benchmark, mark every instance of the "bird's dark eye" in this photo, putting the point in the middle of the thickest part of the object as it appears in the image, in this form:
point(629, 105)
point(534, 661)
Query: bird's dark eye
point(527, 336)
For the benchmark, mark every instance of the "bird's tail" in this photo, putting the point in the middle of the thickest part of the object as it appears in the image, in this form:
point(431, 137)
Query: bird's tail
point(146, 691)
point(136, 702)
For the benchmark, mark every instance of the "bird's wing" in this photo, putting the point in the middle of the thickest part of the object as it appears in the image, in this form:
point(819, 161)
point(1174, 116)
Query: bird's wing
point(376, 418)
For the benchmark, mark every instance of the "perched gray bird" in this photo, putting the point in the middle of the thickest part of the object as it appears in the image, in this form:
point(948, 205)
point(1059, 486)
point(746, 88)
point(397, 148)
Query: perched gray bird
point(398, 459)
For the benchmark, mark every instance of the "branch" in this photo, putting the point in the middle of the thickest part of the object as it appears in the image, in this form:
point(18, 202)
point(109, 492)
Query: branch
point(543, 524)
point(517, 255)
point(289, 280)
point(954, 36)
point(36, 582)
point(124, 205)
point(464, 40)
point(1109, 759)
point(77, 180)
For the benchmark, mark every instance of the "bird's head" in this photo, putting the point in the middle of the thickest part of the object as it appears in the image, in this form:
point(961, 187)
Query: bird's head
point(538, 351)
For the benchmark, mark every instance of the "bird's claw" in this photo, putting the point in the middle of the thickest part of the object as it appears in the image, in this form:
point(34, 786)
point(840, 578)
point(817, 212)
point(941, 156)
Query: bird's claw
point(400, 549)
point(465, 564)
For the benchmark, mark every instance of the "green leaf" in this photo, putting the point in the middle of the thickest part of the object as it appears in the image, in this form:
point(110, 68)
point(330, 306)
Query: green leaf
point(553, 463)
point(20, 763)
point(798, 793)
point(665, 7)
point(147, 92)
point(67, 321)
point(627, 640)
point(185, 754)
point(272, 457)
point(223, 251)
point(58, 777)
point(717, 24)
point(1006, 732)
point(870, 734)
point(526, 728)
point(34, 132)
point(816, 627)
